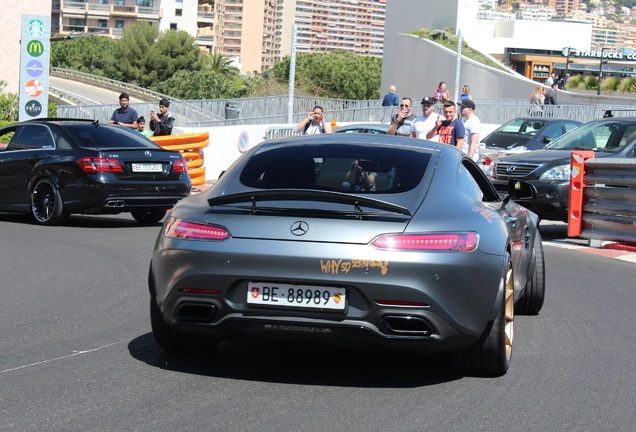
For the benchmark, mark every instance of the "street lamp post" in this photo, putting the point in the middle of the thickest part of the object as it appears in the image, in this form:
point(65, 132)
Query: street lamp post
point(600, 72)
point(567, 66)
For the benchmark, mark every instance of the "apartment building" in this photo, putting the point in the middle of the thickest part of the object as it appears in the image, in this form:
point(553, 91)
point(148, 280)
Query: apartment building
point(325, 26)
point(565, 7)
point(253, 33)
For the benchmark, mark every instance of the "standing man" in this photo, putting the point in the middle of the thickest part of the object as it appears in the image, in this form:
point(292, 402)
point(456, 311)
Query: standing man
point(391, 99)
point(161, 124)
point(550, 80)
point(451, 130)
point(472, 127)
point(402, 121)
point(424, 123)
point(124, 115)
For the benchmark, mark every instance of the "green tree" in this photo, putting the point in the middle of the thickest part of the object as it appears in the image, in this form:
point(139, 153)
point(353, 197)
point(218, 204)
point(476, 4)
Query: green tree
point(130, 60)
point(206, 85)
point(338, 74)
point(219, 64)
point(88, 54)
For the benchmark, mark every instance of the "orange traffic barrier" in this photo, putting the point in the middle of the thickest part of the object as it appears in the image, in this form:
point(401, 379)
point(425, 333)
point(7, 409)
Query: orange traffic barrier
point(190, 145)
point(577, 184)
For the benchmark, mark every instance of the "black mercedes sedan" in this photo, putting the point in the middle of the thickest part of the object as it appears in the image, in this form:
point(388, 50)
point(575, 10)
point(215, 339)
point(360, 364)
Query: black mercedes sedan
point(52, 168)
point(547, 172)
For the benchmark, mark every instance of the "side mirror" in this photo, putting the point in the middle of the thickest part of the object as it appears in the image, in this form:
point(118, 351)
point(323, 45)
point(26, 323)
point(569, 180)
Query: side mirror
point(546, 140)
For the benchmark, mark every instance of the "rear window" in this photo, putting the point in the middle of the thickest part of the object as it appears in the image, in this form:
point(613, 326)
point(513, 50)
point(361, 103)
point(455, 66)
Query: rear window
point(103, 136)
point(342, 168)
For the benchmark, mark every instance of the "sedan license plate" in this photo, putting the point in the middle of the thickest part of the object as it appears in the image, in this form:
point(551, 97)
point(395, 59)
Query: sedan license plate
point(301, 296)
point(147, 167)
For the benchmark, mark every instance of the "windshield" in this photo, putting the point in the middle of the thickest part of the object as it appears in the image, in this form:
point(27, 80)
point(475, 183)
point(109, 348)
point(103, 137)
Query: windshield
point(604, 136)
point(522, 126)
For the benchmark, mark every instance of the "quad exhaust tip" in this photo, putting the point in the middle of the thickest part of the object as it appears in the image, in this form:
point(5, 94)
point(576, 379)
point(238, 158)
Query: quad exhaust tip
point(407, 325)
point(115, 203)
point(197, 312)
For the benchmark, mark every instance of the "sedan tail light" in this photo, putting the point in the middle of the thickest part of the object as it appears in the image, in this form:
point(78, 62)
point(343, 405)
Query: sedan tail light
point(181, 229)
point(97, 164)
point(487, 160)
point(180, 166)
point(455, 242)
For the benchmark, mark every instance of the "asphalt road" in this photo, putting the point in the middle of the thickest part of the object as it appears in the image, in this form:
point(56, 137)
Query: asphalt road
point(86, 93)
point(76, 354)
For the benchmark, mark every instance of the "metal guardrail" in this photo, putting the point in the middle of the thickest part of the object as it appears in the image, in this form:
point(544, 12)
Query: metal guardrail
point(139, 92)
point(602, 199)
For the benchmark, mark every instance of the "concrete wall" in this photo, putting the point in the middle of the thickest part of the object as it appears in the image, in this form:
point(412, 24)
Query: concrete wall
point(416, 66)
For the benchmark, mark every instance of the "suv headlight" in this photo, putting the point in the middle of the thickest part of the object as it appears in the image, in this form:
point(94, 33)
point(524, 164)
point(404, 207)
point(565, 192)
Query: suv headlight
point(558, 173)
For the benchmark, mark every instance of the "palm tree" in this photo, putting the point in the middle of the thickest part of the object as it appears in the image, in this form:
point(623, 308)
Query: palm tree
point(218, 63)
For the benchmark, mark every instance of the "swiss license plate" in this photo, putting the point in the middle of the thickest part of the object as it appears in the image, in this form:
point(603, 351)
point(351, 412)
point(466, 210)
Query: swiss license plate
point(301, 296)
point(147, 167)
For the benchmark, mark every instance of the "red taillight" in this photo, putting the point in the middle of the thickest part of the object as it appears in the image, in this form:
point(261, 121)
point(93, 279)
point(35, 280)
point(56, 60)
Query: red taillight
point(180, 166)
point(95, 164)
point(401, 303)
point(178, 228)
point(456, 242)
point(487, 160)
point(201, 291)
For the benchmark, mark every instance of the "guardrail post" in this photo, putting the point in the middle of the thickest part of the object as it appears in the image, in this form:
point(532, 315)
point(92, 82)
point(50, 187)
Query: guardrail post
point(577, 184)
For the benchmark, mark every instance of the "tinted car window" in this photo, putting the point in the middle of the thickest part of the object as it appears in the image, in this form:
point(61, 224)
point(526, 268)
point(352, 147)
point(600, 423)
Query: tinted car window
point(553, 130)
point(326, 168)
point(31, 137)
point(101, 136)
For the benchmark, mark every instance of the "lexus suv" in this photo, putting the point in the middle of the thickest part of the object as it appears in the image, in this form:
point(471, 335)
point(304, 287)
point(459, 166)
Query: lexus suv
point(547, 172)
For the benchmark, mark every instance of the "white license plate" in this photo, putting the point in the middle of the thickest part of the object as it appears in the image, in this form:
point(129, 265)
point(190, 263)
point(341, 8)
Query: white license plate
point(301, 296)
point(147, 167)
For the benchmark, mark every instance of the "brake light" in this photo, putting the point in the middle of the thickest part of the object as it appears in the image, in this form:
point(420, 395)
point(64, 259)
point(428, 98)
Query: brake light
point(95, 164)
point(180, 166)
point(455, 242)
point(178, 228)
point(487, 160)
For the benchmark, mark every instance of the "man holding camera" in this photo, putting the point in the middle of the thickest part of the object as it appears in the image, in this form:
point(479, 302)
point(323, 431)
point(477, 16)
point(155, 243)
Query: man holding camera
point(161, 124)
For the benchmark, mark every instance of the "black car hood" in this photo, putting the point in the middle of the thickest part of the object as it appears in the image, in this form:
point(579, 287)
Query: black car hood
point(539, 157)
point(504, 141)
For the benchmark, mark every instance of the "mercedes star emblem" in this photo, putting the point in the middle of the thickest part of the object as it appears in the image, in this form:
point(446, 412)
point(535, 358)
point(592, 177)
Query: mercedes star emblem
point(299, 228)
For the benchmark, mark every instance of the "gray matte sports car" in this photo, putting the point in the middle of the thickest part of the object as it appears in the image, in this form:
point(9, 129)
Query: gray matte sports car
point(350, 238)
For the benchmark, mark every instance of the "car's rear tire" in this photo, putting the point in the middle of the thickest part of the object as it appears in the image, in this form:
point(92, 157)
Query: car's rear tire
point(47, 206)
point(173, 340)
point(148, 216)
point(531, 301)
point(492, 353)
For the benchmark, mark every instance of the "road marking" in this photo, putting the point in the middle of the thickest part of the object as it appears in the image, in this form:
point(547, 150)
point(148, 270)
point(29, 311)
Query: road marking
point(75, 353)
point(77, 96)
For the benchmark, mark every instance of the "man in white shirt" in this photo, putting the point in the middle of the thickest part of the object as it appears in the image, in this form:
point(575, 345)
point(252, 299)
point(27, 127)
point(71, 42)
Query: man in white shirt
point(472, 124)
point(424, 123)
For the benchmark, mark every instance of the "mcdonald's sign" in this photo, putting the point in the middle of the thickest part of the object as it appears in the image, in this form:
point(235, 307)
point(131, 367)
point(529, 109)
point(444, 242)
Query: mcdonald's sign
point(35, 48)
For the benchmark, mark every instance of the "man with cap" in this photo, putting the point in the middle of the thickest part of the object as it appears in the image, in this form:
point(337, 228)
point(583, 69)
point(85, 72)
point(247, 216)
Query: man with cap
point(472, 126)
point(161, 124)
point(124, 115)
point(424, 123)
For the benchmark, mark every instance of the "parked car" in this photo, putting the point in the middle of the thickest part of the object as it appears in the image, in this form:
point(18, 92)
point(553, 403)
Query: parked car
point(547, 172)
point(520, 135)
point(427, 258)
point(52, 168)
point(371, 128)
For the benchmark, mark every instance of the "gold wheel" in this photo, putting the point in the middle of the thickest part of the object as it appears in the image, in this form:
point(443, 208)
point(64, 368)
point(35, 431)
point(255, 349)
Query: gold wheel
point(509, 311)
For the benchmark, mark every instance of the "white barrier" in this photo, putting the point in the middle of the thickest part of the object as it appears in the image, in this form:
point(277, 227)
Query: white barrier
point(228, 143)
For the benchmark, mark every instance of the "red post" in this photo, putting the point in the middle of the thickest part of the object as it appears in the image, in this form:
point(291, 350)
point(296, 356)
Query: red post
point(577, 184)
